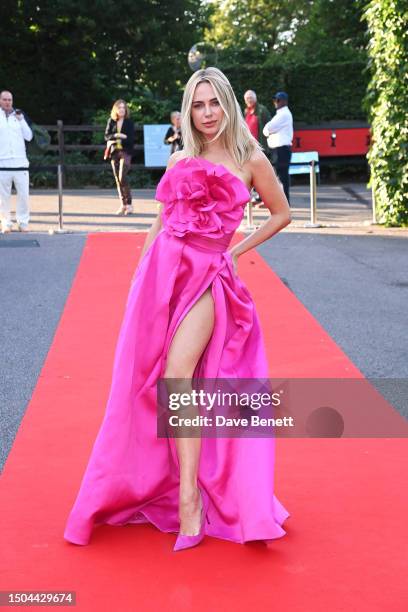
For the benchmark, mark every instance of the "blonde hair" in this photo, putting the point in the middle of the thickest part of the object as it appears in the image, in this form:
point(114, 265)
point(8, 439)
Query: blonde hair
point(235, 132)
point(115, 107)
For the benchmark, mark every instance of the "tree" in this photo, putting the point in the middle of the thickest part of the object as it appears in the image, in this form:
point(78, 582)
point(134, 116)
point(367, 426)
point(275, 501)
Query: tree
point(257, 26)
point(288, 30)
point(331, 31)
point(387, 103)
point(65, 58)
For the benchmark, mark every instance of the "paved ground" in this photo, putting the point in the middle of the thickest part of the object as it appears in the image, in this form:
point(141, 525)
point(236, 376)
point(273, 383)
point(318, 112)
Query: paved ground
point(355, 284)
point(36, 273)
point(339, 207)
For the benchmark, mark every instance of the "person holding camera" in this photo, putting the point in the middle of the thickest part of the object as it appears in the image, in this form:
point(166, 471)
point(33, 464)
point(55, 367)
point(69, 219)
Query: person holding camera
point(14, 131)
point(120, 138)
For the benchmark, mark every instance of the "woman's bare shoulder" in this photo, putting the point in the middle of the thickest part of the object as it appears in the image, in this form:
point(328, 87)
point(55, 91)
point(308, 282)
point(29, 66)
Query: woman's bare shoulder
point(175, 157)
point(258, 161)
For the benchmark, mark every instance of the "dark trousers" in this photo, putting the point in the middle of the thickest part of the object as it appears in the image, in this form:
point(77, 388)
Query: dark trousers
point(121, 165)
point(280, 159)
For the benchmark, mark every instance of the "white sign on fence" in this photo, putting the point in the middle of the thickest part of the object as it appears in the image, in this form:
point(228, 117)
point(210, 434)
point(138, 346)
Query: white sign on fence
point(156, 153)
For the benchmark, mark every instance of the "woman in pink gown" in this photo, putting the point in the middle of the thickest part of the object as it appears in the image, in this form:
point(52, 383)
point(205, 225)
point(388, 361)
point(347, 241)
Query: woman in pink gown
point(188, 315)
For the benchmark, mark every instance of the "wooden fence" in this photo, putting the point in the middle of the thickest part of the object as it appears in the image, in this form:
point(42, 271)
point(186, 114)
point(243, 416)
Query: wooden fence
point(61, 147)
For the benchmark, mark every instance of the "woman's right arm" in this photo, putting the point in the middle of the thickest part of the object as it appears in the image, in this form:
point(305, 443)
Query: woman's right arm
point(157, 223)
point(109, 131)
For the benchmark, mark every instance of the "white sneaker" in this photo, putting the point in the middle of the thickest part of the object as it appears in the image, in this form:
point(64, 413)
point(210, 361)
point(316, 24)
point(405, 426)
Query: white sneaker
point(121, 210)
point(6, 229)
point(22, 227)
point(129, 210)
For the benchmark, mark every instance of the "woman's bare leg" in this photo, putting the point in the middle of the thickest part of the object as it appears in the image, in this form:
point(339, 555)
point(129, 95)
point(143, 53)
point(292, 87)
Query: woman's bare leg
point(187, 346)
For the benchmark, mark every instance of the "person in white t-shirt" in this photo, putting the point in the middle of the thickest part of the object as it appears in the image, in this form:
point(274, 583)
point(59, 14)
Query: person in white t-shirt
point(279, 131)
point(14, 131)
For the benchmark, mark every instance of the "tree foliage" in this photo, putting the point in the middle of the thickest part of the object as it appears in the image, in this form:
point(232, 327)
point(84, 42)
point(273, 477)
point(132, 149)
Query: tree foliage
point(331, 31)
point(387, 103)
point(65, 58)
point(288, 30)
point(254, 26)
point(314, 95)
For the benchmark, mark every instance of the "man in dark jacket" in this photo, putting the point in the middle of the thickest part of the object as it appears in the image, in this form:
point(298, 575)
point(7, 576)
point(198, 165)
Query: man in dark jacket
point(256, 116)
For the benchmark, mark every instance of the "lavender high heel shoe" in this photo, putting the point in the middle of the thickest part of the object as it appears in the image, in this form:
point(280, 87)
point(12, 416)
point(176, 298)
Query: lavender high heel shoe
point(186, 541)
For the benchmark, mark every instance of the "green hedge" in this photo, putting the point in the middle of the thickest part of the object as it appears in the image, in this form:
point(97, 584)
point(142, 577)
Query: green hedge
point(387, 101)
point(317, 92)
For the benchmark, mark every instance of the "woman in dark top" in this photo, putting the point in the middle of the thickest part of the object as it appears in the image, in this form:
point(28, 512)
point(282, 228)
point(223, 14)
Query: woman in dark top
point(173, 134)
point(120, 138)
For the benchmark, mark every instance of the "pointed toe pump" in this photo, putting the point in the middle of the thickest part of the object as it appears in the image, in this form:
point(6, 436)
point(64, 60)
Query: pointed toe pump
point(187, 541)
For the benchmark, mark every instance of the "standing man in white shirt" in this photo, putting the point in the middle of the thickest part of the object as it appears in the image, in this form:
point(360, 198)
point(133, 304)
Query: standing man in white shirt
point(14, 131)
point(279, 131)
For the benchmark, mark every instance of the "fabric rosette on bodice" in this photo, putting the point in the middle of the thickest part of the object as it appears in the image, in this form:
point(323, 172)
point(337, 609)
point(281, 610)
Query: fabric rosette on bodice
point(206, 200)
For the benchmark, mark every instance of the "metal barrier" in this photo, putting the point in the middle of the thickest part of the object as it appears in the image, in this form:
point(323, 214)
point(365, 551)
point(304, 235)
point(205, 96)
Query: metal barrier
point(60, 229)
point(307, 162)
point(249, 226)
point(313, 197)
point(313, 168)
point(301, 163)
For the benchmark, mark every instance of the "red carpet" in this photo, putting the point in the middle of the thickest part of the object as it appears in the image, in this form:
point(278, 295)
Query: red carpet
point(346, 541)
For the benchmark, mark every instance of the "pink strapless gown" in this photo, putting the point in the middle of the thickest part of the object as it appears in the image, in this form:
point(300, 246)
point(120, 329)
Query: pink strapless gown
point(132, 476)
